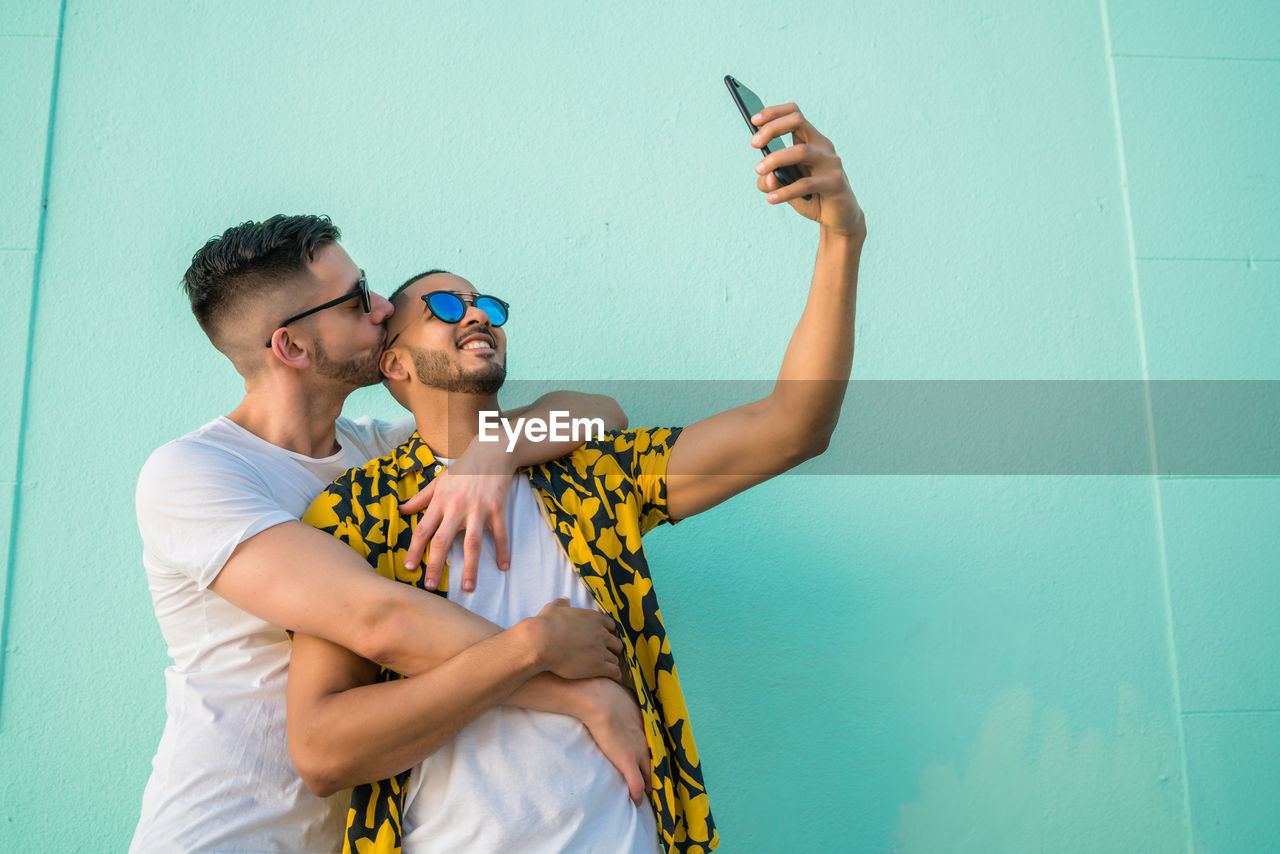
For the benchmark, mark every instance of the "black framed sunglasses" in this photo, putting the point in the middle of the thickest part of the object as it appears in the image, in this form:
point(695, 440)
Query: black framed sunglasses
point(451, 306)
point(360, 290)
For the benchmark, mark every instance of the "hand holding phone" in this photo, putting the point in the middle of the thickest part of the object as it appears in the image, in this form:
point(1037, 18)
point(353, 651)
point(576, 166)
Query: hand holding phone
point(749, 104)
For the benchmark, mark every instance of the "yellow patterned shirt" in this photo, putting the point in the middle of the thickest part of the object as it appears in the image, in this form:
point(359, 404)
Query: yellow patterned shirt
point(599, 500)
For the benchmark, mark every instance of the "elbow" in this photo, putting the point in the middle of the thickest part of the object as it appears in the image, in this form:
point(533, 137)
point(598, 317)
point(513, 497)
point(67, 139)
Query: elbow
point(322, 786)
point(382, 627)
point(611, 412)
point(818, 443)
point(806, 440)
point(818, 434)
point(316, 767)
point(805, 448)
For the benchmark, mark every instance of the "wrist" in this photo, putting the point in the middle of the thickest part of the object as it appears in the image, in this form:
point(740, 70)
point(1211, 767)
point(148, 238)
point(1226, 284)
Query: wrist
point(586, 701)
point(849, 238)
point(532, 648)
point(491, 457)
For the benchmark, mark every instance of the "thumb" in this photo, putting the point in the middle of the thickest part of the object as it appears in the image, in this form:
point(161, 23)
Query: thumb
point(635, 785)
point(562, 602)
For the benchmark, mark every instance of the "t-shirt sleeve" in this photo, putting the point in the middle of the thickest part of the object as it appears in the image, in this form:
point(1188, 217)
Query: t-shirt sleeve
point(195, 505)
point(642, 455)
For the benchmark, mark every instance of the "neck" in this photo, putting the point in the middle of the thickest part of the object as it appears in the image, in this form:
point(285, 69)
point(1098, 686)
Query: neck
point(285, 413)
point(448, 421)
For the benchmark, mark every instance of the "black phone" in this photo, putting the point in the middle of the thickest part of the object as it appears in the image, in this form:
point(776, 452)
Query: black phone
point(749, 104)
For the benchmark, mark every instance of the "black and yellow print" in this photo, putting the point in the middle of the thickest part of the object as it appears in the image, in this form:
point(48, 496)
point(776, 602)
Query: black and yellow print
point(600, 500)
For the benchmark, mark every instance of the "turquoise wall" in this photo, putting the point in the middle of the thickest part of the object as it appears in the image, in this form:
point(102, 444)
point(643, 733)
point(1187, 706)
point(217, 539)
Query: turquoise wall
point(1056, 191)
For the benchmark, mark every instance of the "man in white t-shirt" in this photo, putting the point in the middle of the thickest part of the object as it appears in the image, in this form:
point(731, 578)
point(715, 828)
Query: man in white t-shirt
point(230, 567)
point(486, 780)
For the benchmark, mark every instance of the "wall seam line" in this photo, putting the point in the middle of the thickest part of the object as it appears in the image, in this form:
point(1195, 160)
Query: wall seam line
point(1161, 546)
point(1210, 260)
point(1189, 57)
point(19, 468)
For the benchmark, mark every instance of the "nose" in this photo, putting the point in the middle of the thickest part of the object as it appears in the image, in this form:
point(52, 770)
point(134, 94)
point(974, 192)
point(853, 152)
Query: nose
point(474, 315)
point(380, 308)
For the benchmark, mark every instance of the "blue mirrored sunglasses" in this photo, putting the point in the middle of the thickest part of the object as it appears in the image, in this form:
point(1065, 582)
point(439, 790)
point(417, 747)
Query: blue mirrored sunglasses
point(451, 306)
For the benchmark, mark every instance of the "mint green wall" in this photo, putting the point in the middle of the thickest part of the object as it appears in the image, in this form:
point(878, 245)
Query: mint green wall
point(1071, 190)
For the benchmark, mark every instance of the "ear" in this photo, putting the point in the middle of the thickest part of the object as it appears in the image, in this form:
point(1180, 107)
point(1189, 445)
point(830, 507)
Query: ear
point(393, 365)
point(290, 350)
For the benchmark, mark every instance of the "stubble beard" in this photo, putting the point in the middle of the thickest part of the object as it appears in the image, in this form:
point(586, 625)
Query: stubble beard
point(358, 371)
point(435, 370)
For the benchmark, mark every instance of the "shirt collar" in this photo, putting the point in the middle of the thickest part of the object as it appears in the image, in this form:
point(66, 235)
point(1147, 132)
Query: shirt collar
point(414, 455)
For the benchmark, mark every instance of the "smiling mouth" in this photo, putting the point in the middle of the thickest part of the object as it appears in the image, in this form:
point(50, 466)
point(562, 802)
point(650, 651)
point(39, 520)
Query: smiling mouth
point(478, 342)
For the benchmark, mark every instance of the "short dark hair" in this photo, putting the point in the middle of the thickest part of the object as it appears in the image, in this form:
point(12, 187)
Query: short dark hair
point(248, 256)
point(395, 295)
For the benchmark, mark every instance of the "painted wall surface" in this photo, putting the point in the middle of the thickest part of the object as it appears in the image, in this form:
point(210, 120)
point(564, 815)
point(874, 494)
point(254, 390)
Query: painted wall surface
point(1078, 190)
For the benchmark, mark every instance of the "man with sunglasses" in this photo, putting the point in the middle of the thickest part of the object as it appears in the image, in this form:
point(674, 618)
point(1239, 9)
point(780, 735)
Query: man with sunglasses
point(230, 567)
point(486, 778)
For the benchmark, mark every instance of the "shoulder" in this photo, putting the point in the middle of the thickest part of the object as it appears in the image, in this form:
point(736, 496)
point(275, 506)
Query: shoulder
point(373, 437)
point(212, 449)
point(632, 444)
point(616, 454)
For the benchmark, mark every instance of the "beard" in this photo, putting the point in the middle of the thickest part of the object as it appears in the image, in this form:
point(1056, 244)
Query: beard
point(358, 371)
point(435, 370)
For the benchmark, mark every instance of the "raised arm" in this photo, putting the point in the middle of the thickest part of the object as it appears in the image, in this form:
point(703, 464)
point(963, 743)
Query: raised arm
point(718, 457)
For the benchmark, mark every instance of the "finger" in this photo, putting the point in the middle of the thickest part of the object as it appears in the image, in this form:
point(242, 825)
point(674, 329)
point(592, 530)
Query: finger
point(471, 545)
point(635, 784)
point(646, 769)
point(612, 643)
point(768, 181)
point(768, 114)
point(811, 185)
point(554, 603)
point(773, 130)
point(499, 529)
point(800, 154)
point(440, 543)
point(422, 499)
point(422, 532)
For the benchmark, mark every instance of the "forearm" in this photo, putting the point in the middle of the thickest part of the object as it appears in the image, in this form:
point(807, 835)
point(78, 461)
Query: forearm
point(416, 632)
point(547, 692)
point(371, 732)
point(819, 357)
point(305, 580)
point(605, 410)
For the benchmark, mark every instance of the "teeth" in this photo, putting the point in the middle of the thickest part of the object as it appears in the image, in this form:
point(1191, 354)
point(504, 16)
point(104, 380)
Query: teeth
point(476, 345)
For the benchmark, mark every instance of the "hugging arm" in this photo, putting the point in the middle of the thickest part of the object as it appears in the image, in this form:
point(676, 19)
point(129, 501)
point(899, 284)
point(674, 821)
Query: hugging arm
point(471, 495)
point(344, 730)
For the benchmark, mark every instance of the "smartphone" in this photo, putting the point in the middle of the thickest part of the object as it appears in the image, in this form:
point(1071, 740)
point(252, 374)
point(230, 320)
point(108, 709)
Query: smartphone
point(749, 104)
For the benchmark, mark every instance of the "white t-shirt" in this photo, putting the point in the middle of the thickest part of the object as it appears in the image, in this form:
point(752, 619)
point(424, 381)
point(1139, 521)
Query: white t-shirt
point(221, 779)
point(515, 780)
